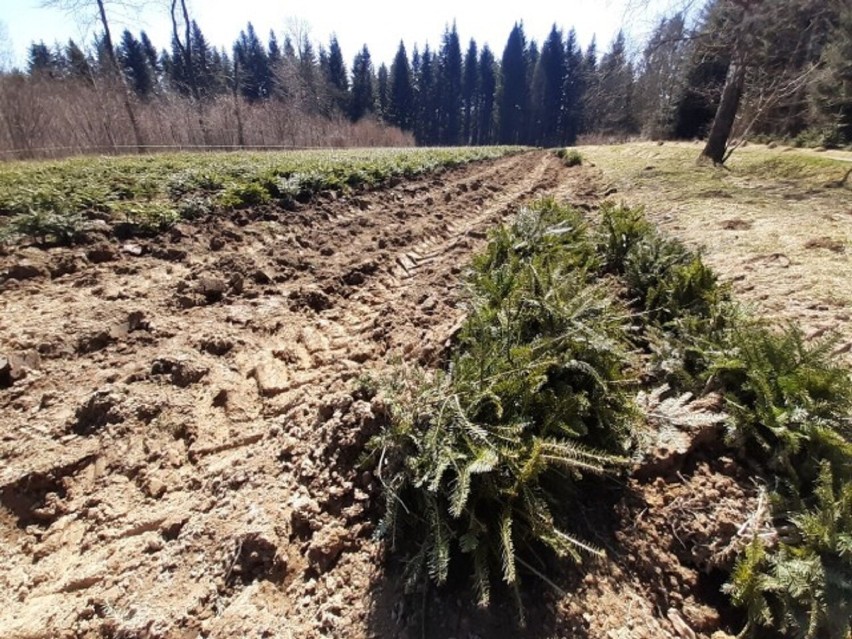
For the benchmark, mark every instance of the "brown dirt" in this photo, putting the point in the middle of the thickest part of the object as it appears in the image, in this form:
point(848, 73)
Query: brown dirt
point(179, 435)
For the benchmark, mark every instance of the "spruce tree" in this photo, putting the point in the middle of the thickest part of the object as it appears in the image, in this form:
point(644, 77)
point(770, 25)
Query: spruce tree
point(513, 105)
point(547, 86)
point(150, 52)
point(363, 95)
point(202, 61)
point(590, 88)
point(615, 91)
point(78, 63)
point(134, 64)
point(450, 82)
point(273, 50)
point(40, 60)
point(832, 91)
point(485, 115)
point(255, 73)
point(428, 123)
point(573, 90)
point(337, 76)
point(470, 91)
point(401, 92)
point(383, 91)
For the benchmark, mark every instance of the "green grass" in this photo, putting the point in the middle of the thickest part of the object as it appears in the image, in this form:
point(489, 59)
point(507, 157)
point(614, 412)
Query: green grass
point(149, 193)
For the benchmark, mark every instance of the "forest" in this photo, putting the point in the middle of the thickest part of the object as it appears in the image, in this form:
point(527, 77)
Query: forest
point(778, 70)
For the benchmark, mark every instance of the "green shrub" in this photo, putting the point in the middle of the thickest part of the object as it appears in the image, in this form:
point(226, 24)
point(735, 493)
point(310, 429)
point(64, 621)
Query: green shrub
point(244, 195)
point(789, 400)
point(802, 588)
point(620, 229)
point(43, 227)
point(482, 462)
point(150, 217)
point(570, 157)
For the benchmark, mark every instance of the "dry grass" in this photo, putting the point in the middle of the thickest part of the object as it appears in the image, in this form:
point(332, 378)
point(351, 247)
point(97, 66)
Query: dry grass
point(773, 223)
point(43, 118)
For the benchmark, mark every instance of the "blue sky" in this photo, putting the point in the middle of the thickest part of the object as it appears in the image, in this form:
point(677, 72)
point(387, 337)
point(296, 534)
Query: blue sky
point(378, 23)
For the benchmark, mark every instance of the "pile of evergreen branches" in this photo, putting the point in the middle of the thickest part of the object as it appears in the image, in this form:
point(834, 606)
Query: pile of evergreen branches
point(482, 461)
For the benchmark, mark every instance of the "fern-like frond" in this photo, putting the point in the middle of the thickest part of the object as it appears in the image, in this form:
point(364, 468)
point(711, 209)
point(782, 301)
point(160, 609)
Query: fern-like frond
point(507, 547)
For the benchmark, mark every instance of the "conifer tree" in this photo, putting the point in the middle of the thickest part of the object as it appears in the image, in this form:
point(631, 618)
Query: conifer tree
point(450, 82)
point(832, 92)
point(273, 50)
point(428, 124)
point(513, 88)
point(615, 90)
point(470, 92)
point(150, 53)
point(589, 77)
point(255, 73)
point(363, 95)
point(78, 64)
point(487, 73)
point(134, 63)
point(401, 92)
point(547, 86)
point(337, 76)
point(383, 91)
point(573, 90)
point(40, 59)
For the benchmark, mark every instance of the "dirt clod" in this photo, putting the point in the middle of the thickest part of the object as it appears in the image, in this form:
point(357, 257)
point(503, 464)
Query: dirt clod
point(101, 408)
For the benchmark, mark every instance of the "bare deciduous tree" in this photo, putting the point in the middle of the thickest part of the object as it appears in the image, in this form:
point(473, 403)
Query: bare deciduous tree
point(97, 9)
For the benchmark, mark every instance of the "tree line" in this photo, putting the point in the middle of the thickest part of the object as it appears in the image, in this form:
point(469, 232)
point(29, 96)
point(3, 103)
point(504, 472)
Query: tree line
point(743, 67)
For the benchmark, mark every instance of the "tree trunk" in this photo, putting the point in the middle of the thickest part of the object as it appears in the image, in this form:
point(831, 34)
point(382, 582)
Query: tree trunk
point(185, 49)
point(128, 106)
point(241, 137)
point(723, 123)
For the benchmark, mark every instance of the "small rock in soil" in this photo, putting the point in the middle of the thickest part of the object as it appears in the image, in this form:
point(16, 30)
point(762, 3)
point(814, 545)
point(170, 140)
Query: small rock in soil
point(16, 366)
point(315, 299)
point(65, 265)
point(212, 288)
point(5, 372)
point(183, 372)
point(326, 546)
point(304, 516)
point(25, 270)
point(132, 249)
point(271, 379)
point(169, 254)
point(215, 345)
point(101, 408)
point(94, 341)
point(101, 253)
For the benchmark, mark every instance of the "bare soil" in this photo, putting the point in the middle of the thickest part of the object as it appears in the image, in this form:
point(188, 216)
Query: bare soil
point(179, 434)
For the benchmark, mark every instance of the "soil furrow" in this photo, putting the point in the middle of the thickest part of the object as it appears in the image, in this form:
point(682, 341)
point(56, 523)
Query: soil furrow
point(192, 380)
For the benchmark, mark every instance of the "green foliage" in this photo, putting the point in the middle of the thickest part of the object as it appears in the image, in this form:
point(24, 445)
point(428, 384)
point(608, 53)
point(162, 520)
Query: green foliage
point(682, 311)
point(43, 227)
point(209, 183)
point(803, 588)
point(480, 463)
point(149, 218)
point(242, 196)
point(789, 399)
point(621, 228)
point(570, 157)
